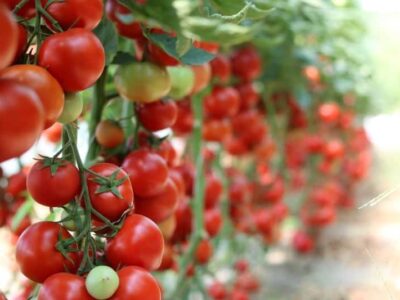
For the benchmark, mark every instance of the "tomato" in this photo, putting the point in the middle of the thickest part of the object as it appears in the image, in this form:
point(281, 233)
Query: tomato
point(303, 242)
point(187, 172)
point(318, 216)
point(53, 134)
point(182, 81)
point(207, 46)
point(37, 255)
point(247, 282)
point(204, 252)
point(2, 296)
point(241, 265)
point(115, 11)
point(22, 41)
point(217, 130)
point(274, 192)
point(27, 11)
point(213, 221)
point(73, 107)
point(157, 115)
point(76, 13)
point(136, 284)
point(161, 206)
point(183, 216)
point(213, 190)
point(334, 149)
point(64, 286)
point(246, 63)
point(236, 146)
point(21, 119)
point(168, 260)
point(138, 235)
point(249, 96)
point(53, 188)
point(9, 36)
point(109, 134)
point(76, 58)
point(280, 211)
point(168, 227)
point(217, 291)
point(147, 171)
point(264, 220)
point(46, 87)
point(221, 68)
point(184, 120)
point(160, 57)
point(329, 112)
point(202, 77)
point(102, 282)
point(223, 102)
point(112, 194)
point(142, 82)
point(313, 74)
point(16, 184)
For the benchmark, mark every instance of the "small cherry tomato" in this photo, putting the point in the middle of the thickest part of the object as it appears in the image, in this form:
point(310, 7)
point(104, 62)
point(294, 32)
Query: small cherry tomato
point(109, 134)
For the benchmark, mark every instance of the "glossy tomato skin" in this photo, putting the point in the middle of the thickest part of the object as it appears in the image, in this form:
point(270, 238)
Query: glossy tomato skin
point(138, 243)
point(9, 36)
point(142, 82)
point(223, 102)
point(136, 284)
point(37, 255)
point(221, 68)
point(76, 58)
point(246, 64)
point(108, 204)
point(161, 206)
point(53, 190)
point(46, 87)
point(21, 119)
point(64, 286)
point(27, 11)
point(147, 171)
point(85, 14)
point(157, 115)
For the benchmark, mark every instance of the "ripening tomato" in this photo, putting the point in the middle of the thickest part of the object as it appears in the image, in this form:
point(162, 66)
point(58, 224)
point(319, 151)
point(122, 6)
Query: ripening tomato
point(217, 130)
point(53, 187)
point(168, 227)
point(204, 252)
point(147, 171)
point(138, 235)
point(202, 77)
point(157, 115)
point(221, 68)
point(136, 284)
point(213, 221)
point(9, 36)
point(329, 112)
point(21, 119)
point(182, 81)
point(73, 107)
point(303, 242)
point(85, 14)
point(75, 57)
point(160, 57)
point(249, 96)
point(64, 286)
point(109, 134)
point(46, 87)
point(37, 254)
point(161, 206)
point(213, 190)
point(223, 102)
point(111, 194)
point(246, 63)
point(27, 11)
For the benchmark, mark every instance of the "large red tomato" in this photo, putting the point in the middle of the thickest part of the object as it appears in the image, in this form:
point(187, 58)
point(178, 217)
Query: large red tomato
point(37, 254)
point(136, 284)
point(111, 195)
point(157, 115)
point(138, 243)
point(75, 58)
point(64, 286)
point(21, 119)
point(53, 188)
point(76, 13)
point(147, 171)
point(45, 85)
point(9, 37)
point(161, 206)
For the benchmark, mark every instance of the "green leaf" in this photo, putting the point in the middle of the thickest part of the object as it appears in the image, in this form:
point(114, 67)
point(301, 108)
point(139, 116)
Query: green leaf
point(108, 36)
point(123, 58)
point(194, 56)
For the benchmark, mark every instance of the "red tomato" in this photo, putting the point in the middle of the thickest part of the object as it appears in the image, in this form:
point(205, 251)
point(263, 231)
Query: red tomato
point(53, 134)
point(21, 119)
point(111, 195)
point(16, 184)
point(75, 58)
point(147, 171)
point(204, 252)
point(27, 11)
point(213, 190)
point(109, 134)
point(246, 63)
point(160, 57)
point(136, 284)
point(183, 217)
point(37, 255)
point(161, 206)
point(76, 13)
point(184, 119)
point(213, 221)
point(139, 236)
point(221, 68)
point(168, 260)
point(2, 296)
point(56, 188)
point(223, 102)
point(157, 115)
point(249, 96)
point(239, 295)
point(207, 46)
point(64, 286)
point(303, 242)
point(217, 130)
point(9, 37)
point(264, 220)
point(247, 282)
point(275, 191)
point(334, 149)
point(217, 291)
point(241, 265)
point(178, 180)
point(46, 87)
point(202, 76)
point(329, 112)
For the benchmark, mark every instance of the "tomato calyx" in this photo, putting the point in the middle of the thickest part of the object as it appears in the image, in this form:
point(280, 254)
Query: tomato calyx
point(51, 162)
point(109, 183)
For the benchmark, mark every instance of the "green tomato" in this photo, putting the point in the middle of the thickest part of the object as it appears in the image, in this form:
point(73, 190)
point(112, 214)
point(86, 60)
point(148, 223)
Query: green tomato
point(142, 82)
point(102, 282)
point(73, 107)
point(182, 79)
